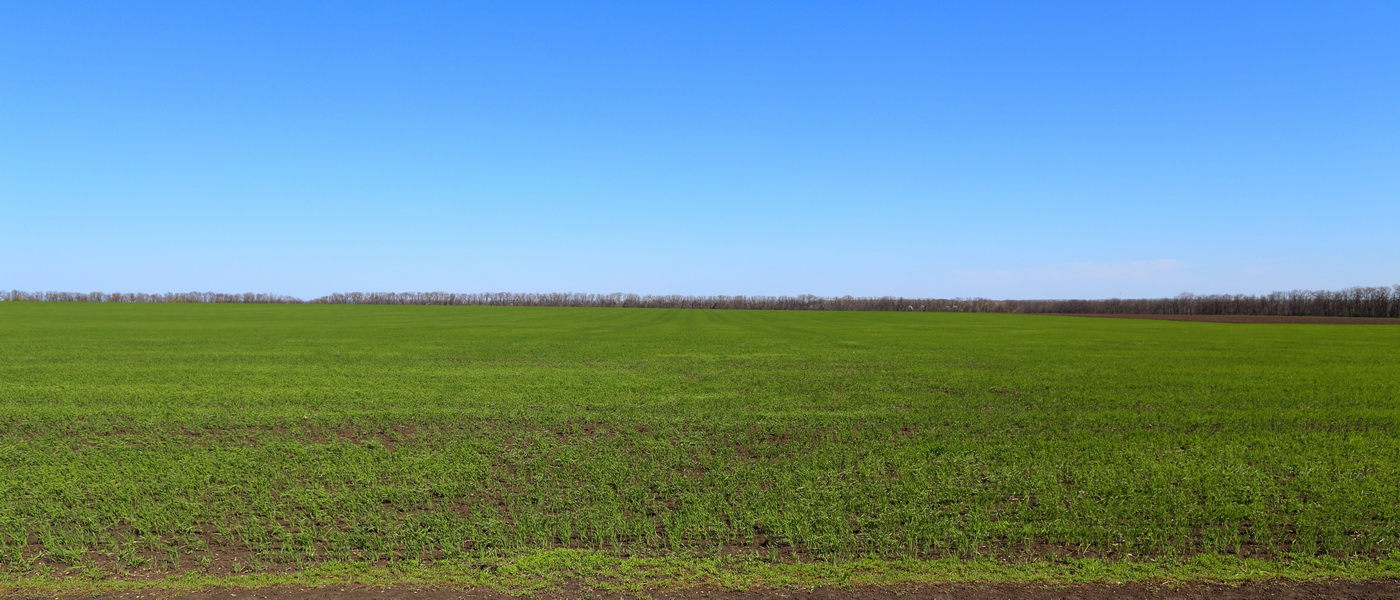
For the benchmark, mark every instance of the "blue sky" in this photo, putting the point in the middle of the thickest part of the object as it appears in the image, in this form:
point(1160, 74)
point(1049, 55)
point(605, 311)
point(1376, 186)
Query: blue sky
point(996, 149)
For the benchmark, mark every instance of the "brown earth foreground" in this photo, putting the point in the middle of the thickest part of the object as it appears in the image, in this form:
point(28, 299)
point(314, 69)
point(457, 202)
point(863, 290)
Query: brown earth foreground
point(1243, 318)
point(1281, 590)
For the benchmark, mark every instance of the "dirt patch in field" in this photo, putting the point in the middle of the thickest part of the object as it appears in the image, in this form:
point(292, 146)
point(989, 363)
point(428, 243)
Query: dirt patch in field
point(1274, 590)
point(1244, 319)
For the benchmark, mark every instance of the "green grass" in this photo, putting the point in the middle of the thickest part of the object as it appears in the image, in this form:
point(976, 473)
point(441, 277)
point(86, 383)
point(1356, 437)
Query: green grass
point(227, 439)
point(578, 573)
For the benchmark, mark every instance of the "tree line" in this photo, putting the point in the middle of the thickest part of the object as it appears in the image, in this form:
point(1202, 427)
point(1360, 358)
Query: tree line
point(1350, 302)
point(141, 297)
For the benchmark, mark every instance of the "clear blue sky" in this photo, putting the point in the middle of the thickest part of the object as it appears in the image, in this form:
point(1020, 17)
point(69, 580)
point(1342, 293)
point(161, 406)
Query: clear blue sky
point(996, 149)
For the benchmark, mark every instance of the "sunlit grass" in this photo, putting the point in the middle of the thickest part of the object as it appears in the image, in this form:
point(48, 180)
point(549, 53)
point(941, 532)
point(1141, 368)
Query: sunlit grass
point(239, 439)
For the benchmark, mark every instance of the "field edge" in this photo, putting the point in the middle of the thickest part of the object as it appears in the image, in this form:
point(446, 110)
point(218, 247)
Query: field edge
point(553, 570)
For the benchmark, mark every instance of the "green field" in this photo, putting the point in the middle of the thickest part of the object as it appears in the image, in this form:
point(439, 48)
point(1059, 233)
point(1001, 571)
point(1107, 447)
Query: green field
point(233, 439)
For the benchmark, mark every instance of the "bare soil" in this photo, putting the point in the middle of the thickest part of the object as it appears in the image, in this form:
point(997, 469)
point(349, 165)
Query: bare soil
point(1275, 590)
point(1245, 319)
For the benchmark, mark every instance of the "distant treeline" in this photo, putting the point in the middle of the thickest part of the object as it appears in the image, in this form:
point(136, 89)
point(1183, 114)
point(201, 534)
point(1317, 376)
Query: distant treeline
point(141, 297)
point(1350, 302)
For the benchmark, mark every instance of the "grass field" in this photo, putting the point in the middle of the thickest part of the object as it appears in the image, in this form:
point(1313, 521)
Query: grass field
point(230, 439)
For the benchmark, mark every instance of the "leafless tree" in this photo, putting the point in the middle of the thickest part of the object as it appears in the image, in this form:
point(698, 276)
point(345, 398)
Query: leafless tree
point(1351, 302)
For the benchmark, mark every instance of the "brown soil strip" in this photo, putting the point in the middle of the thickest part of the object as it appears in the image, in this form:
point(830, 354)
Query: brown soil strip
point(1276, 590)
point(1243, 318)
